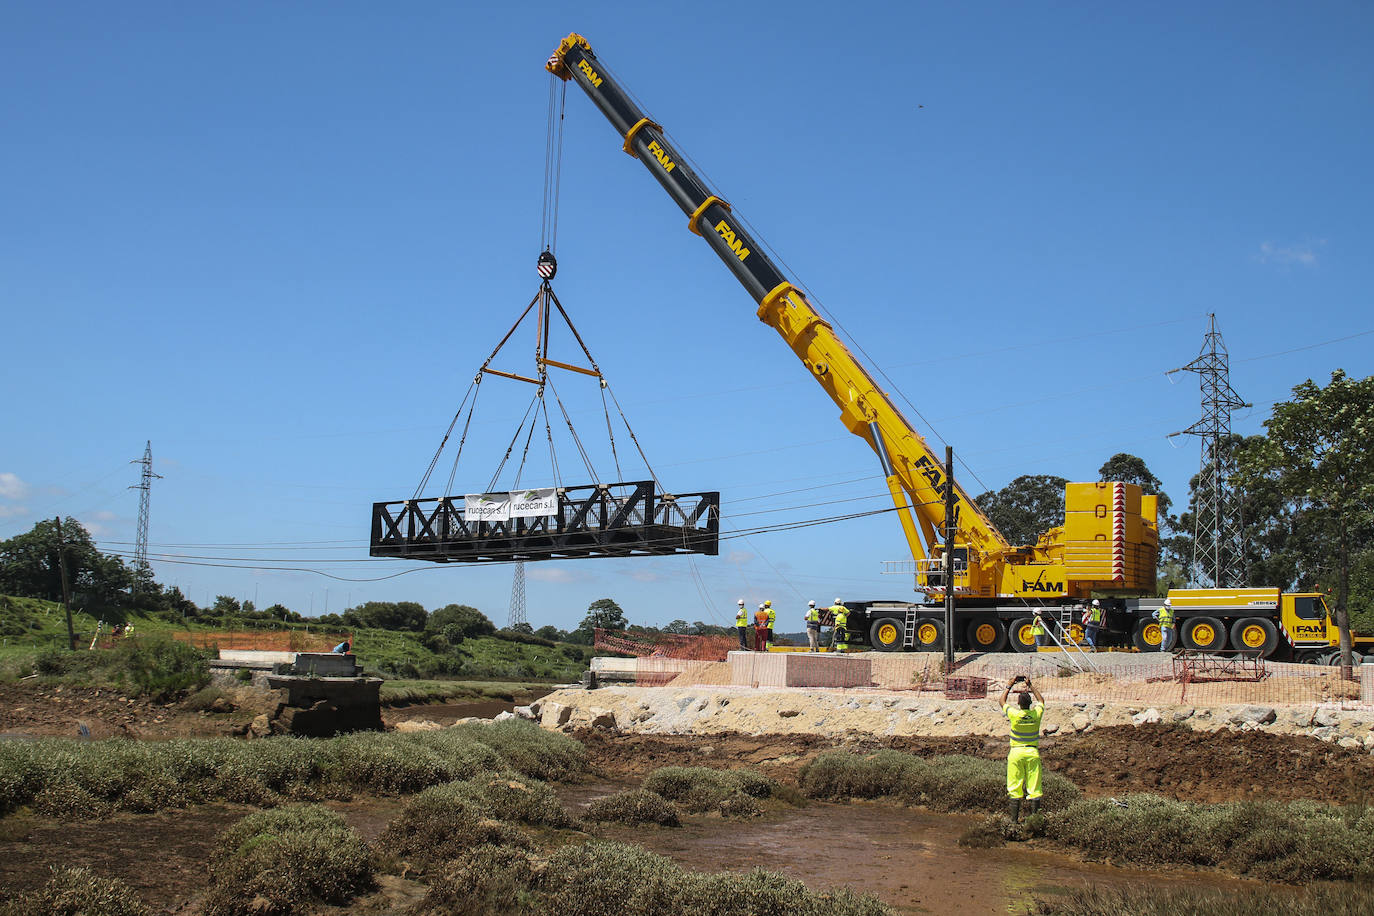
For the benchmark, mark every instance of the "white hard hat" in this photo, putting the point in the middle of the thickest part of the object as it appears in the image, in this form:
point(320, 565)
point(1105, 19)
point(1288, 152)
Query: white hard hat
point(740, 602)
point(1096, 603)
point(1167, 603)
point(810, 604)
point(837, 601)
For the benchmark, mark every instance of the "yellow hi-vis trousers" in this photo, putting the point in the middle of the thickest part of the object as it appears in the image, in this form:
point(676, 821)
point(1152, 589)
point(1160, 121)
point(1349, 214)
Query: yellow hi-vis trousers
point(1023, 772)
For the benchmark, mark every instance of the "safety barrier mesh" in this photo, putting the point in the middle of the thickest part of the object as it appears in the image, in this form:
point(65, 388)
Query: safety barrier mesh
point(265, 640)
point(1109, 678)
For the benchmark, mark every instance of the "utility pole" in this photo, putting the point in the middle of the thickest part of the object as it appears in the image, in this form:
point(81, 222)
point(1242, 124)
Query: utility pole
point(1218, 535)
point(950, 528)
point(142, 572)
point(66, 588)
point(517, 596)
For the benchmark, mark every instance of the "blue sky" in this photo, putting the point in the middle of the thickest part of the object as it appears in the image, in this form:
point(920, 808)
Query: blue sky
point(278, 240)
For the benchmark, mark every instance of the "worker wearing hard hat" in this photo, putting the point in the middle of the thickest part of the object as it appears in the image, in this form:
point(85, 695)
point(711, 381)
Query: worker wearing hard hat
point(761, 630)
point(813, 625)
point(1092, 622)
point(1165, 616)
point(1023, 759)
point(839, 616)
point(772, 619)
point(742, 625)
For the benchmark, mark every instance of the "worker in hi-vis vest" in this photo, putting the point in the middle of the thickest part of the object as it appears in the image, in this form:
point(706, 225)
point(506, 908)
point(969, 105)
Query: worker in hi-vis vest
point(839, 638)
point(742, 625)
point(1165, 616)
point(772, 619)
point(813, 625)
point(1023, 759)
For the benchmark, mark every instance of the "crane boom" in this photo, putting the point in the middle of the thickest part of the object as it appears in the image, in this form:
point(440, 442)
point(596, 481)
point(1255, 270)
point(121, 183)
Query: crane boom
point(983, 563)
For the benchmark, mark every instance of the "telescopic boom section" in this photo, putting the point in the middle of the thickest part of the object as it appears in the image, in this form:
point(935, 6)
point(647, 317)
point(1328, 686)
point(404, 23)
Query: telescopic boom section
point(908, 462)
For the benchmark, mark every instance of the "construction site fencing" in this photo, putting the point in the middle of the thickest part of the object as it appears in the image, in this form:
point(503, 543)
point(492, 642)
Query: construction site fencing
point(265, 640)
point(664, 645)
point(1106, 678)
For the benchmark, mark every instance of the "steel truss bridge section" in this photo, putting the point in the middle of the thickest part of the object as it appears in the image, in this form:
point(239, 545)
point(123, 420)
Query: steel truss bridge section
point(596, 520)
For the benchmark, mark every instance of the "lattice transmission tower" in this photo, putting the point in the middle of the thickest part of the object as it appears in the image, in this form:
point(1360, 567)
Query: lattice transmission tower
point(145, 488)
point(517, 596)
point(1218, 534)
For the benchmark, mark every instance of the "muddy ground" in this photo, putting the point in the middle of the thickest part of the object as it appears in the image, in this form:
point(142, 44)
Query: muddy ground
point(904, 856)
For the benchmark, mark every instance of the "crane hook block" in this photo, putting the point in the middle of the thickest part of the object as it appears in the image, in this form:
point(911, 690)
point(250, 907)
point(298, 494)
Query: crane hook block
point(547, 266)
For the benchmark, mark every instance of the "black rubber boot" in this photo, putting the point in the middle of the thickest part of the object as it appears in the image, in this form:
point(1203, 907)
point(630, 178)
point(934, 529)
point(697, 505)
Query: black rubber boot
point(1034, 807)
point(1014, 809)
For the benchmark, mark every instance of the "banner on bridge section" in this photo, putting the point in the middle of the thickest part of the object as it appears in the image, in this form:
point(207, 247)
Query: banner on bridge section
point(487, 507)
point(534, 503)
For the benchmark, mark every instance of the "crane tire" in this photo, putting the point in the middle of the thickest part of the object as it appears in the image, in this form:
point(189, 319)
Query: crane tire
point(887, 634)
point(1147, 635)
point(1204, 634)
point(1255, 633)
point(1019, 635)
point(986, 634)
point(930, 635)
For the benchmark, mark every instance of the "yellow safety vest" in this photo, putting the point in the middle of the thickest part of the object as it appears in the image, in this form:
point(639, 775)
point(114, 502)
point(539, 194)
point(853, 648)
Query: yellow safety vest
point(1025, 724)
point(1166, 617)
point(741, 617)
point(772, 615)
point(1096, 614)
point(813, 614)
point(841, 616)
point(1038, 627)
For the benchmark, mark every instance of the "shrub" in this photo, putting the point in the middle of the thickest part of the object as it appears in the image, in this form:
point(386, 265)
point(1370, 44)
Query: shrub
point(77, 892)
point(636, 806)
point(202, 699)
point(488, 881)
point(526, 801)
point(281, 861)
point(697, 789)
point(990, 832)
point(952, 783)
point(443, 822)
point(1329, 900)
point(529, 749)
point(1295, 842)
point(597, 878)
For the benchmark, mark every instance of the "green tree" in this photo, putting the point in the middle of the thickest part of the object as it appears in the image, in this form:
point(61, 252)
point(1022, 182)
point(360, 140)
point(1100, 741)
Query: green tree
point(552, 633)
point(387, 615)
point(1320, 449)
point(1026, 508)
point(461, 619)
point(225, 606)
point(605, 614)
point(30, 567)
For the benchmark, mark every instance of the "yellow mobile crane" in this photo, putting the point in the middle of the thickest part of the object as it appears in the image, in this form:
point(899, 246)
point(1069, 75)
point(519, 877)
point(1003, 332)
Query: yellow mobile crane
point(1107, 547)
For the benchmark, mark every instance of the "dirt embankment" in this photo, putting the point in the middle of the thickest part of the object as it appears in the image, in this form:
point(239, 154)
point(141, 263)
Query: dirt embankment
point(40, 711)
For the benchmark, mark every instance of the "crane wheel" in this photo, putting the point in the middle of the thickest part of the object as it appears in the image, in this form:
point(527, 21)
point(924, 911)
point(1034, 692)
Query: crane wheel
point(1147, 636)
point(887, 634)
point(1204, 634)
point(1020, 635)
point(987, 635)
point(930, 635)
point(1255, 633)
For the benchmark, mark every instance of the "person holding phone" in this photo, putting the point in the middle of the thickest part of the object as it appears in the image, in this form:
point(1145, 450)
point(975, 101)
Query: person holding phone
point(1023, 758)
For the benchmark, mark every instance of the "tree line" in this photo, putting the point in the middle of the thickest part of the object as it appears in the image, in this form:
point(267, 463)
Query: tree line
point(1305, 489)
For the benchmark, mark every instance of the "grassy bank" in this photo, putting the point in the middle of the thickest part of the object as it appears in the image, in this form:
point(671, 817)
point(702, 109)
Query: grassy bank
point(1323, 900)
point(31, 629)
point(76, 779)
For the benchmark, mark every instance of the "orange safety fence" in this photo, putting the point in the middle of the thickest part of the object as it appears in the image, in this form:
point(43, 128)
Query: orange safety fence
point(665, 645)
point(1143, 680)
point(264, 640)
